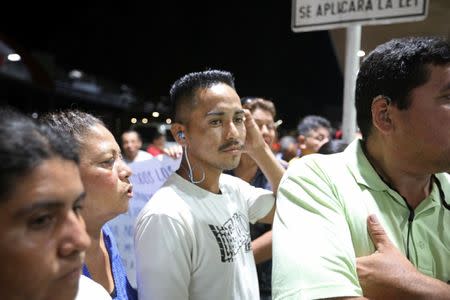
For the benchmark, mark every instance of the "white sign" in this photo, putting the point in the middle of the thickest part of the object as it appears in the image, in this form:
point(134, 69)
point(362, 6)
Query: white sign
point(311, 15)
point(148, 176)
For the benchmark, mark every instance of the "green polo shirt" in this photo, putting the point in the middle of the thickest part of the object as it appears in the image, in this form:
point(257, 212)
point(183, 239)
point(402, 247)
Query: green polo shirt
point(320, 225)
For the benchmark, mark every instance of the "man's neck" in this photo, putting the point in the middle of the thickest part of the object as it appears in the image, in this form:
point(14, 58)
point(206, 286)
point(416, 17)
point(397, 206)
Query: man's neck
point(398, 173)
point(206, 179)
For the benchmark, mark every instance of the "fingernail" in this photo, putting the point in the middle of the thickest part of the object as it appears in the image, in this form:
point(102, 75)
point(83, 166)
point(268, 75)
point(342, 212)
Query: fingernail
point(373, 219)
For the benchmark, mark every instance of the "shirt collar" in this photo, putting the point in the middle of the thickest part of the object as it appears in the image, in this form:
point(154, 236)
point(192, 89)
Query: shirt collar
point(364, 173)
point(361, 169)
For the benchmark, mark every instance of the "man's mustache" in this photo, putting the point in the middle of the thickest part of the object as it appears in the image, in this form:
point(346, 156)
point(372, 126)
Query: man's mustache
point(231, 143)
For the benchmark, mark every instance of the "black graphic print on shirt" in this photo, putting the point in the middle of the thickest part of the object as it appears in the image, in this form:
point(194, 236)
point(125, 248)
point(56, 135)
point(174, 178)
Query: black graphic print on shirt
point(231, 236)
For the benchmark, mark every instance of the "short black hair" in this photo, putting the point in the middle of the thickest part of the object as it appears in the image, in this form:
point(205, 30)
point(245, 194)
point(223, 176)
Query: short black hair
point(312, 122)
point(74, 123)
point(183, 90)
point(24, 145)
point(393, 69)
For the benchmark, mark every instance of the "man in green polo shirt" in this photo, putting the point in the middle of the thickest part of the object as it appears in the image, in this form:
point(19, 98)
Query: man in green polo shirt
point(321, 244)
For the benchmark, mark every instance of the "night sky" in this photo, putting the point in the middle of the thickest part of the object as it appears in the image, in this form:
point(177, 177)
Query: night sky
point(149, 48)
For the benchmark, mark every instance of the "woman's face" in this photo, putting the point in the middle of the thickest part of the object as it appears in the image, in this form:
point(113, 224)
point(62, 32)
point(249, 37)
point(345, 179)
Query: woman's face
point(42, 234)
point(104, 175)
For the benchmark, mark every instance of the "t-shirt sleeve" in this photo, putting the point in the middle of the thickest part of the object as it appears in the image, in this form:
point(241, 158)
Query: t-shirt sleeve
point(259, 201)
point(162, 258)
point(89, 289)
point(313, 254)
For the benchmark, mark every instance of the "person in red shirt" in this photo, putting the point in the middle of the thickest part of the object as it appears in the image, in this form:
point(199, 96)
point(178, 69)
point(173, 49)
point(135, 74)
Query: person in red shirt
point(157, 145)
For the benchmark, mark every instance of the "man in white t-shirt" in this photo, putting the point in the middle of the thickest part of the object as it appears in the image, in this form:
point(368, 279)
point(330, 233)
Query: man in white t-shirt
point(131, 146)
point(192, 238)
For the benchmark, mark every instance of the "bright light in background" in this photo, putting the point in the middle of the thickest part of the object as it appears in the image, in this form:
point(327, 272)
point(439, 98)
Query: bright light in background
point(155, 114)
point(361, 53)
point(75, 74)
point(133, 120)
point(35, 115)
point(14, 57)
point(168, 121)
point(144, 121)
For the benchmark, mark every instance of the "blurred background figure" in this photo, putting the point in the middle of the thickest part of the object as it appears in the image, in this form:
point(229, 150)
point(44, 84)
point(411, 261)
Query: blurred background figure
point(42, 233)
point(105, 178)
point(333, 146)
point(288, 148)
point(157, 145)
point(131, 145)
point(313, 131)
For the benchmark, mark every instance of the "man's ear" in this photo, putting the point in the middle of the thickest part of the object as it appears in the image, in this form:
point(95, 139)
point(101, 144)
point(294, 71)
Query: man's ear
point(301, 141)
point(178, 131)
point(381, 110)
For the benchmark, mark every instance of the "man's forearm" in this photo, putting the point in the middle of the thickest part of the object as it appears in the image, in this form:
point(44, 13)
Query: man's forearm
point(262, 247)
point(269, 165)
point(416, 286)
point(430, 288)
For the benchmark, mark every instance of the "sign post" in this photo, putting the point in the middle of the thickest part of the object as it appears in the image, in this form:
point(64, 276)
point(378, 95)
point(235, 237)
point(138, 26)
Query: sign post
point(313, 15)
point(352, 45)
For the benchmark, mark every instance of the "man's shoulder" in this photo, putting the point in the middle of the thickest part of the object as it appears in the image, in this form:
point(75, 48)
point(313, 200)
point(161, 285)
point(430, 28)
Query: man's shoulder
point(444, 176)
point(444, 180)
point(328, 162)
point(330, 171)
point(233, 184)
point(167, 200)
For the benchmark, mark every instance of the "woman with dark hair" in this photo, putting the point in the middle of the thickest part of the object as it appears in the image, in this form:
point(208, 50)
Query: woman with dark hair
point(108, 191)
point(42, 233)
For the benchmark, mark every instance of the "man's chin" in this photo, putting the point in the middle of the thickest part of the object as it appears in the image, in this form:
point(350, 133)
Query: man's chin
point(231, 166)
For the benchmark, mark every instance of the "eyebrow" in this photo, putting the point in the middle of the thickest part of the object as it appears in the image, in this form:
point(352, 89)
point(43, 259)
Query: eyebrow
point(46, 204)
point(106, 152)
point(221, 113)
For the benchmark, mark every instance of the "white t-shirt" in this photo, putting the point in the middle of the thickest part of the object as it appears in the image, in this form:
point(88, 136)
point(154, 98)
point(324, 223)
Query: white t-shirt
point(88, 289)
point(193, 244)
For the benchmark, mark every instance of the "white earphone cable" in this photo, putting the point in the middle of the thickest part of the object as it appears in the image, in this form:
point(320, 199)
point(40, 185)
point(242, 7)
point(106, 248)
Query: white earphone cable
point(190, 173)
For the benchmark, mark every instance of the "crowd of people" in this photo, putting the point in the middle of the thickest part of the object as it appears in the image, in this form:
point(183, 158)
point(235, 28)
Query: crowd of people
point(316, 219)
